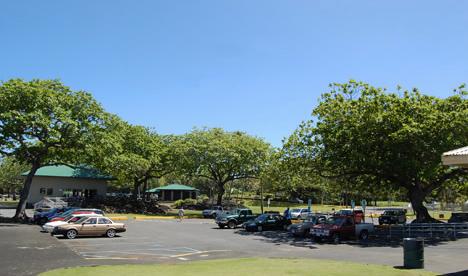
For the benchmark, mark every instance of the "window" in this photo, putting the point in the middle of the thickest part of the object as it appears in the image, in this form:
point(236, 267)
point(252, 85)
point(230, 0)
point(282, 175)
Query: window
point(46, 191)
point(91, 221)
point(67, 192)
point(104, 221)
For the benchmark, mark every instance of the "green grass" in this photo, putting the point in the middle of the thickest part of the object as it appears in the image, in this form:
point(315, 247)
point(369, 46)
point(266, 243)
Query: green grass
point(241, 267)
point(9, 203)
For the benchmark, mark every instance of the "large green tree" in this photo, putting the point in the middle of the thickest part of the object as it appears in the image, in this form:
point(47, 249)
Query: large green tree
point(44, 122)
point(134, 154)
point(360, 131)
point(222, 156)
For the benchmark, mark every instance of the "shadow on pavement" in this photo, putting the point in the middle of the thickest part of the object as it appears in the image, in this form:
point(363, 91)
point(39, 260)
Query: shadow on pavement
point(459, 273)
point(283, 237)
point(279, 237)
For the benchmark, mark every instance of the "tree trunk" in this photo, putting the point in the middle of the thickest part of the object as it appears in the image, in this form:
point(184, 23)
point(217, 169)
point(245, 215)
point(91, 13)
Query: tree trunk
point(136, 189)
point(416, 196)
point(220, 194)
point(145, 187)
point(21, 208)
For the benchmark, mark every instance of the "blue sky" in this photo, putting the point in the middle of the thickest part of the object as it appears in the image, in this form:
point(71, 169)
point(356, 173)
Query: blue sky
point(255, 66)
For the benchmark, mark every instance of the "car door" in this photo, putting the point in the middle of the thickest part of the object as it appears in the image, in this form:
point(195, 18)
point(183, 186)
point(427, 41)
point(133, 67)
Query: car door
point(88, 227)
point(347, 229)
point(270, 222)
point(103, 225)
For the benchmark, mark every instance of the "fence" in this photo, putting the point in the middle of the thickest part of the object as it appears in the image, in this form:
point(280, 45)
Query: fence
point(425, 230)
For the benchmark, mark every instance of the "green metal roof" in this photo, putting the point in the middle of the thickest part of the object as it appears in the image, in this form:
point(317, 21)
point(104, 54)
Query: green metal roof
point(173, 187)
point(69, 171)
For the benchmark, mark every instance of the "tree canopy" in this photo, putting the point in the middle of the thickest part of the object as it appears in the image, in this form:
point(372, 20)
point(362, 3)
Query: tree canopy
point(360, 131)
point(134, 154)
point(222, 156)
point(44, 122)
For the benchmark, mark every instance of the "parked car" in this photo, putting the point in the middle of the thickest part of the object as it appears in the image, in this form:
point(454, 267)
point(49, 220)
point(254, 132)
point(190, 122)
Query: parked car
point(48, 227)
point(90, 226)
point(356, 213)
point(43, 217)
point(337, 228)
point(299, 213)
point(213, 212)
point(393, 216)
point(267, 222)
point(76, 212)
point(459, 217)
point(233, 218)
point(303, 229)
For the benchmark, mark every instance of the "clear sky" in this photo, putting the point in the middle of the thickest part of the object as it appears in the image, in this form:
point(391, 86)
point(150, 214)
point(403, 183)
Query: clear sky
point(255, 66)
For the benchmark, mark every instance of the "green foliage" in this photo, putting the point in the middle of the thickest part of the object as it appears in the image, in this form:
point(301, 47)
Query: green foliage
point(222, 156)
point(43, 122)
point(134, 154)
point(10, 174)
point(363, 133)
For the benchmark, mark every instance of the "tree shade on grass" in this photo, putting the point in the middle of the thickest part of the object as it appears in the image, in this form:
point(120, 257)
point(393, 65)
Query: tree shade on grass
point(231, 267)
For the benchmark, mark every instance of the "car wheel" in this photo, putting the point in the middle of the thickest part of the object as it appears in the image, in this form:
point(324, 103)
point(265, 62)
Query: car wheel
point(221, 226)
point(259, 228)
point(231, 225)
point(110, 233)
point(317, 239)
point(71, 234)
point(336, 239)
point(43, 221)
point(364, 235)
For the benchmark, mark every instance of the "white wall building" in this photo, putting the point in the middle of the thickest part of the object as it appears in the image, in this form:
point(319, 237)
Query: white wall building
point(66, 181)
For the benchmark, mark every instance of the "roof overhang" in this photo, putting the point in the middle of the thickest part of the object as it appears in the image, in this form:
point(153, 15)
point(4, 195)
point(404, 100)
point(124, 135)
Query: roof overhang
point(458, 157)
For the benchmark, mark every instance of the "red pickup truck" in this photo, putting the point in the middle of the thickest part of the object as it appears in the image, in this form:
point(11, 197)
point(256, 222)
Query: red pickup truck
point(337, 228)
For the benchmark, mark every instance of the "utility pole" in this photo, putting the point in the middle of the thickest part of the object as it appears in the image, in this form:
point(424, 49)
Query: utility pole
point(261, 196)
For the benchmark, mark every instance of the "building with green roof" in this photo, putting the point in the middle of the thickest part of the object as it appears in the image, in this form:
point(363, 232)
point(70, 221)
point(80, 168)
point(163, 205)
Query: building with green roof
point(67, 181)
point(174, 192)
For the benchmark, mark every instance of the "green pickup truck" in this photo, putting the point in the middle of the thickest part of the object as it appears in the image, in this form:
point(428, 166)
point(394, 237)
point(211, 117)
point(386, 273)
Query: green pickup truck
point(234, 217)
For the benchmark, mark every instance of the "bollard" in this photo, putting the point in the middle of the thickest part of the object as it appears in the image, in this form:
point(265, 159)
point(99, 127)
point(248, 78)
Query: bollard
point(413, 253)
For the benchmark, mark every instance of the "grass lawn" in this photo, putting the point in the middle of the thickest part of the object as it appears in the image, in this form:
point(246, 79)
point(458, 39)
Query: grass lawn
point(243, 267)
point(9, 203)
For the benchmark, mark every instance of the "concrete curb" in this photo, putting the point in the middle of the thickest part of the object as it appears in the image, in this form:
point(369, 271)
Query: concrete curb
point(119, 218)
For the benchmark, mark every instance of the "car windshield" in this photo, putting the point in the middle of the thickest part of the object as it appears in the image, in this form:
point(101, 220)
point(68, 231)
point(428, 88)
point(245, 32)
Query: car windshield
point(261, 218)
point(335, 221)
point(67, 218)
point(296, 210)
point(81, 220)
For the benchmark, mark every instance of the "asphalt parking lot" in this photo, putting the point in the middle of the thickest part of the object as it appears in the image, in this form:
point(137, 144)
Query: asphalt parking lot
point(163, 241)
point(170, 241)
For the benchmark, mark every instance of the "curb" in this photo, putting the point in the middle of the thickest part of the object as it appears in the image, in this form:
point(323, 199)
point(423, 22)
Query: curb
point(119, 218)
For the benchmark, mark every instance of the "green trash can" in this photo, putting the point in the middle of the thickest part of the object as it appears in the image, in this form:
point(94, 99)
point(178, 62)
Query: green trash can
point(413, 253)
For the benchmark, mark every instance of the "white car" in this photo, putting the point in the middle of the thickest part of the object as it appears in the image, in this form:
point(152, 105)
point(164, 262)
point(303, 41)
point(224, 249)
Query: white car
point(299, 213)
point(48, 227)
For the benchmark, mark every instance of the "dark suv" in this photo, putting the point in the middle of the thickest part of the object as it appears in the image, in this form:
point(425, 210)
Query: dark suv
point(393, 216)
point(458, 217)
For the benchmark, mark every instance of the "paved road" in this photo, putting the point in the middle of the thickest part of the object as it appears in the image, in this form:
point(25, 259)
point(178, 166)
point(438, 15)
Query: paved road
point(26, 251)
point(169, 241)
point(164, 241)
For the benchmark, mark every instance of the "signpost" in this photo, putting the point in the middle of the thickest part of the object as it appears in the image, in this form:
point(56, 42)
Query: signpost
point(268, 202)
point(309, 205)
point(364, 205)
